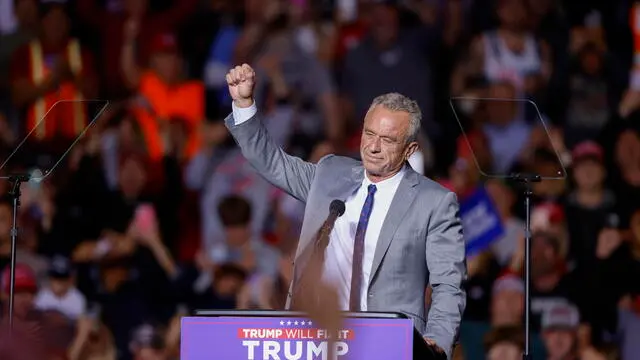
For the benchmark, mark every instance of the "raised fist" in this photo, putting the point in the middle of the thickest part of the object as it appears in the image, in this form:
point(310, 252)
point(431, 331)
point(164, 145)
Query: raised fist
point(241, 81)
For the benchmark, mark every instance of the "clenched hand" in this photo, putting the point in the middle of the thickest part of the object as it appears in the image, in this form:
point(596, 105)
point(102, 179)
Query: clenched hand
point(241, 81)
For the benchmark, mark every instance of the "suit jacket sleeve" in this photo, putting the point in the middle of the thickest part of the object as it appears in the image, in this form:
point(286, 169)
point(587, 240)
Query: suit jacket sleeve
point(447, 268)
point(289, 173)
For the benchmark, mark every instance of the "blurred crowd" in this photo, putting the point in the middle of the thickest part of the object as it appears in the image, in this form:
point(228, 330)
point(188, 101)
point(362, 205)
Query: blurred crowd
point(154, 212)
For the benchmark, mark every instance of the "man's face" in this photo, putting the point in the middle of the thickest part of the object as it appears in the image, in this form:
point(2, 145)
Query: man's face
point(628, 149)
point(133, 177)
point(238, 235)
point(228, 286)
point(504, 351)
point(384, 147)
point(559, 342)
point(22, 304)
point(507, 308)
point(589, 174)
point(26, 12)
point(167, 65)
point(544, 257)
point(5, 222)
point(55, 26)
point(384, 23)
point(60, 286)
point(512, 13)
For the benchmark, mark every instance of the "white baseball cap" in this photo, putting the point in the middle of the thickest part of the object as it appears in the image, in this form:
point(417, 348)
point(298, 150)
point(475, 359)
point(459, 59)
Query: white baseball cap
point(561, 316)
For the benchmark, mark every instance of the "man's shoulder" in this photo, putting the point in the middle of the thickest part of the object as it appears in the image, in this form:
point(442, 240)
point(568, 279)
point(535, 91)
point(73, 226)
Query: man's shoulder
point(432, 188)
point(338, 161)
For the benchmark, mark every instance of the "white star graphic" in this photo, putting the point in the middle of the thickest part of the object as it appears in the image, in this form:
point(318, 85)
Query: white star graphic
point(309, 323)
point(281, 322)
point(288, 322)
point(296, 323)
point(302, 323)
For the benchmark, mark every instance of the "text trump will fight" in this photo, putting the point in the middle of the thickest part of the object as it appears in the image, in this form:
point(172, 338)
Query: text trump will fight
point(298, 334)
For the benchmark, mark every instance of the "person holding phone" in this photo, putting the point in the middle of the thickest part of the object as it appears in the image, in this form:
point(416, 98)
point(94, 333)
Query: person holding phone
point(145, 231)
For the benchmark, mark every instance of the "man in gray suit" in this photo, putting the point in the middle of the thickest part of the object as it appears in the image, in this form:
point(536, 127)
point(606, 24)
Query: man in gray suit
point(400, 231)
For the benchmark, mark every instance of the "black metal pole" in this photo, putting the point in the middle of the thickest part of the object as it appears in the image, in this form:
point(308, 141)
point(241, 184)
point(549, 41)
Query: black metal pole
point(15, 194)
point(527, 271)
point(527, 180)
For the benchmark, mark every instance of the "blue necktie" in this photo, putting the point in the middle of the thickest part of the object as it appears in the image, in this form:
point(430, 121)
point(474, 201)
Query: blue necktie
point(358, 251)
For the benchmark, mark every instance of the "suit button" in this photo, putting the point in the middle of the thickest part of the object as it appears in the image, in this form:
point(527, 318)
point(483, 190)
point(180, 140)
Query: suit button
point(370, 294)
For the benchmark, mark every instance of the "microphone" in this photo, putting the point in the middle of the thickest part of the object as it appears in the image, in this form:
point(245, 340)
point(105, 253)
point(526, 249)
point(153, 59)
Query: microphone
point(336, 209)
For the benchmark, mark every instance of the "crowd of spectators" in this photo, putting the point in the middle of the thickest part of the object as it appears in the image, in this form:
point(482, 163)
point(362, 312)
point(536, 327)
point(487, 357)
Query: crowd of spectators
point(154, 212)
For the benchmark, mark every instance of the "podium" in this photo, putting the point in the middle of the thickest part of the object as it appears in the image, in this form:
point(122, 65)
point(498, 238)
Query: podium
point(280, 335)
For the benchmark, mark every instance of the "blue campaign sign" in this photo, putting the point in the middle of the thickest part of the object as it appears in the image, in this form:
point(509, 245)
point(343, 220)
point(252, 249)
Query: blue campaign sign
point(480, 221)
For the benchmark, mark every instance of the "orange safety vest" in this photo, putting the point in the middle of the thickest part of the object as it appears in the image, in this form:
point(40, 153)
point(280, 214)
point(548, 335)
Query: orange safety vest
point(184, 101)
point(60, 112)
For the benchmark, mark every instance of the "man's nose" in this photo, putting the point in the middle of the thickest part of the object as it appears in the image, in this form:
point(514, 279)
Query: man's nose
point(376, 146)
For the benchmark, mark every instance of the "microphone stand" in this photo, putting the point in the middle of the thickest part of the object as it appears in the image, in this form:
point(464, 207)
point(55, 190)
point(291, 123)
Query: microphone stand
point(527, 180)
point(315, 259)
point(15, 181)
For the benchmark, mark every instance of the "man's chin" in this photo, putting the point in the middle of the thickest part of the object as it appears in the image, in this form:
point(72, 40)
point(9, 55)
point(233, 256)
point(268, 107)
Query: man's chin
point(373, 171)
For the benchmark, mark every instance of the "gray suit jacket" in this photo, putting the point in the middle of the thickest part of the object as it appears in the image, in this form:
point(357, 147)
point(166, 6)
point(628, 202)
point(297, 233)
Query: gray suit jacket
point(420, 242)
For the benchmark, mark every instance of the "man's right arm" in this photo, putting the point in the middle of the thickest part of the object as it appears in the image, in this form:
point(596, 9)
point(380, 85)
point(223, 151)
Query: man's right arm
point(287, 172)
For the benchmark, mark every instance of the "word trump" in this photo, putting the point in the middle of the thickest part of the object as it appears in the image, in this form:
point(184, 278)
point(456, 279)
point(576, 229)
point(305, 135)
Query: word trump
point(302, 334)
point(293, 350)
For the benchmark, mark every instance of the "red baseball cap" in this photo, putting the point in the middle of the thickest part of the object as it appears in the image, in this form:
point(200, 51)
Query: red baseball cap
point(164, 42)
point(25, 279)
point(554, 212)
point(587, 150)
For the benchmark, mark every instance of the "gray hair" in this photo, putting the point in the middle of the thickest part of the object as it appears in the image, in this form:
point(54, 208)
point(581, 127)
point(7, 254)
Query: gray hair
point(398, 102)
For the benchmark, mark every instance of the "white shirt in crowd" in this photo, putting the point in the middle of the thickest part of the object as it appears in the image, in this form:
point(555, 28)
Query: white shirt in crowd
point(8, 22)
point(72, 304)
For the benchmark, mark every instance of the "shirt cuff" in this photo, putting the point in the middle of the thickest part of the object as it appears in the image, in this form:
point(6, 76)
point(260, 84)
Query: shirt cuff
point(241, 115)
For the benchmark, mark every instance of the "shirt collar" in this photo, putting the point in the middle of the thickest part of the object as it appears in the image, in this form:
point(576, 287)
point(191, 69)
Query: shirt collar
point(386, 184)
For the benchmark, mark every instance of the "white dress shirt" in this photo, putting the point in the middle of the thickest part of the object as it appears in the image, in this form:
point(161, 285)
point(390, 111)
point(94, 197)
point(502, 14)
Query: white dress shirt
point(339, 253)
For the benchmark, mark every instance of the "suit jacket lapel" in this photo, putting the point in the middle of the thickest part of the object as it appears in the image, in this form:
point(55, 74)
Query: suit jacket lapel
point(402, 201)
point(343, 186)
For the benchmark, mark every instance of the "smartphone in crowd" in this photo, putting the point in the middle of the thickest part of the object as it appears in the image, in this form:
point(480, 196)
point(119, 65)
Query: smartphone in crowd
point(145, 217)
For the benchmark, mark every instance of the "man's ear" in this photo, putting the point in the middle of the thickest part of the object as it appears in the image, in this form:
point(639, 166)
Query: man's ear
point(411, 148)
